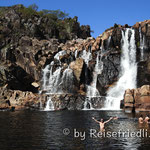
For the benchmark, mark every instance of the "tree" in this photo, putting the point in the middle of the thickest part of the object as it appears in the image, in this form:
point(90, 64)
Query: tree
point(34, 7)
point(56, 13)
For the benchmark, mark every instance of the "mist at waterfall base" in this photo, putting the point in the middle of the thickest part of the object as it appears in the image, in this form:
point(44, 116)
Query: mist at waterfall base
point(58, 81)
point(34, 130)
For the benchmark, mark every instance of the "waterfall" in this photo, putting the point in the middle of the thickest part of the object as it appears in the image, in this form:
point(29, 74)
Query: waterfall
point(60, 53)
point(142, 44)
point(41, 105)
point(49, 105)
point(67, 83)
point(59, 81)
point(76, 53)
point(51, 80)
point(92, 89)
point(45, 79)
point(128, 72)
point(87, 56)
point(108, 42)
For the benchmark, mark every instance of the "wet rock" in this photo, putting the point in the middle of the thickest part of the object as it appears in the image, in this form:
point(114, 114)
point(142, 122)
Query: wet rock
point(18, 100)
point(36, 85)
point(77, 67)
point(110, 72)
point(68, 101)
point(129, 97)
point(145, 90)
point(138, 99)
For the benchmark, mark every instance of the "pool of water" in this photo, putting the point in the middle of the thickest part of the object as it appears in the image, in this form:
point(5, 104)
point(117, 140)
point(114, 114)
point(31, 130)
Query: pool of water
point(45, 130)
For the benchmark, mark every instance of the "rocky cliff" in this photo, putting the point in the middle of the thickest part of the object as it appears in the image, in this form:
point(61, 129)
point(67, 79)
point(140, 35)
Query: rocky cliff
point(137, 99)
point(31, 42)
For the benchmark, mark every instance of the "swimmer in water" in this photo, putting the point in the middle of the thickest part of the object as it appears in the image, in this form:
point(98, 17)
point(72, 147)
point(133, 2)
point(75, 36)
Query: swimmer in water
point(102, 123)
point(141, 119)
point(146, 120)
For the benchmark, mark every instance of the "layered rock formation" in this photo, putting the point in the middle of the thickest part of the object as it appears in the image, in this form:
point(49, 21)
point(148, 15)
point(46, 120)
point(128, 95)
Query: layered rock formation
point(29, 43)
point(19, 100)
point(137, 99)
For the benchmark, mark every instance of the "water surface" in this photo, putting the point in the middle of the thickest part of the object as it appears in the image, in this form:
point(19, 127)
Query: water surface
point(43, 130)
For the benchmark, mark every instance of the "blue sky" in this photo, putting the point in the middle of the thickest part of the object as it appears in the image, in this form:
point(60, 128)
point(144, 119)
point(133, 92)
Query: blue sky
point(99, 14)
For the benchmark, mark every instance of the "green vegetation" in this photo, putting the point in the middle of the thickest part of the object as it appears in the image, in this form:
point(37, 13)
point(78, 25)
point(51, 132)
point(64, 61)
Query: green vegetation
point(27, 12)
point(2, 11)
point(44, 24)
point(56, 14)
point(34, 7)
point(115, 25)
point(58, 21)
point(52, 14)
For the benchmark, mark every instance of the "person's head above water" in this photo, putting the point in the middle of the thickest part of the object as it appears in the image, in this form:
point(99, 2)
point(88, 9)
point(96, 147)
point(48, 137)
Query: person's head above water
point(102, 120)
point(141, 116)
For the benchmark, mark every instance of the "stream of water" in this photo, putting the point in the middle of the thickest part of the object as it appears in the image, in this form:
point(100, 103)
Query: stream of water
point(128, 72)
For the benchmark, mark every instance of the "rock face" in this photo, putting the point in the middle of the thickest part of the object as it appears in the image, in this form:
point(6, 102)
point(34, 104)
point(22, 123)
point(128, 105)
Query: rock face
point(137, 99)
point(18, 100)
point(77, 67)
point(29, 42)
point(68, 101)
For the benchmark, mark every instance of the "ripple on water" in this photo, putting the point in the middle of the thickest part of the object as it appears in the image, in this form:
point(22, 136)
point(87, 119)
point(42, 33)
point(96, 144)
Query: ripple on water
point(43, 130)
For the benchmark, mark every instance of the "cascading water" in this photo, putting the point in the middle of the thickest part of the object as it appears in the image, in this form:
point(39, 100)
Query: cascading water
point(49, 105)
point(41, 105)
point(67, 81)
point(142, 44)
point(108, 42)
point(87, 56)
point(59, 81)
point(92, 89)
point(60, 53)
point(128, 73)
point(76, 53)
point(51, 80)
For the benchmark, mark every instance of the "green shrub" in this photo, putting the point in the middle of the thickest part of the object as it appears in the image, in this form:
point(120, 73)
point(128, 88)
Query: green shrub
point(55, 14)
point(27, 12)
point(34, 7)
point(2, 11)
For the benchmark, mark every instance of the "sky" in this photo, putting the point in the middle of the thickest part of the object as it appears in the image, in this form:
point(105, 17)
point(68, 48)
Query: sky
point(99, 14)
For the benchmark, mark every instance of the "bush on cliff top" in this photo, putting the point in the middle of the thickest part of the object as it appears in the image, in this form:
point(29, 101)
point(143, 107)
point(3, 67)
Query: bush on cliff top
point(33, 10)
point(27, 12)
point(43, 24)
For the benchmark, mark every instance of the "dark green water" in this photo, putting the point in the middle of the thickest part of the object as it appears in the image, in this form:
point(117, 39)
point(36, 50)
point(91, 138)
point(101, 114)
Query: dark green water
point(35, 130)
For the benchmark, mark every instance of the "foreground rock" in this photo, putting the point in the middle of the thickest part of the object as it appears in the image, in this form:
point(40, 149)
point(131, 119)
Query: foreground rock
point(137, 99)
point(19, 100)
